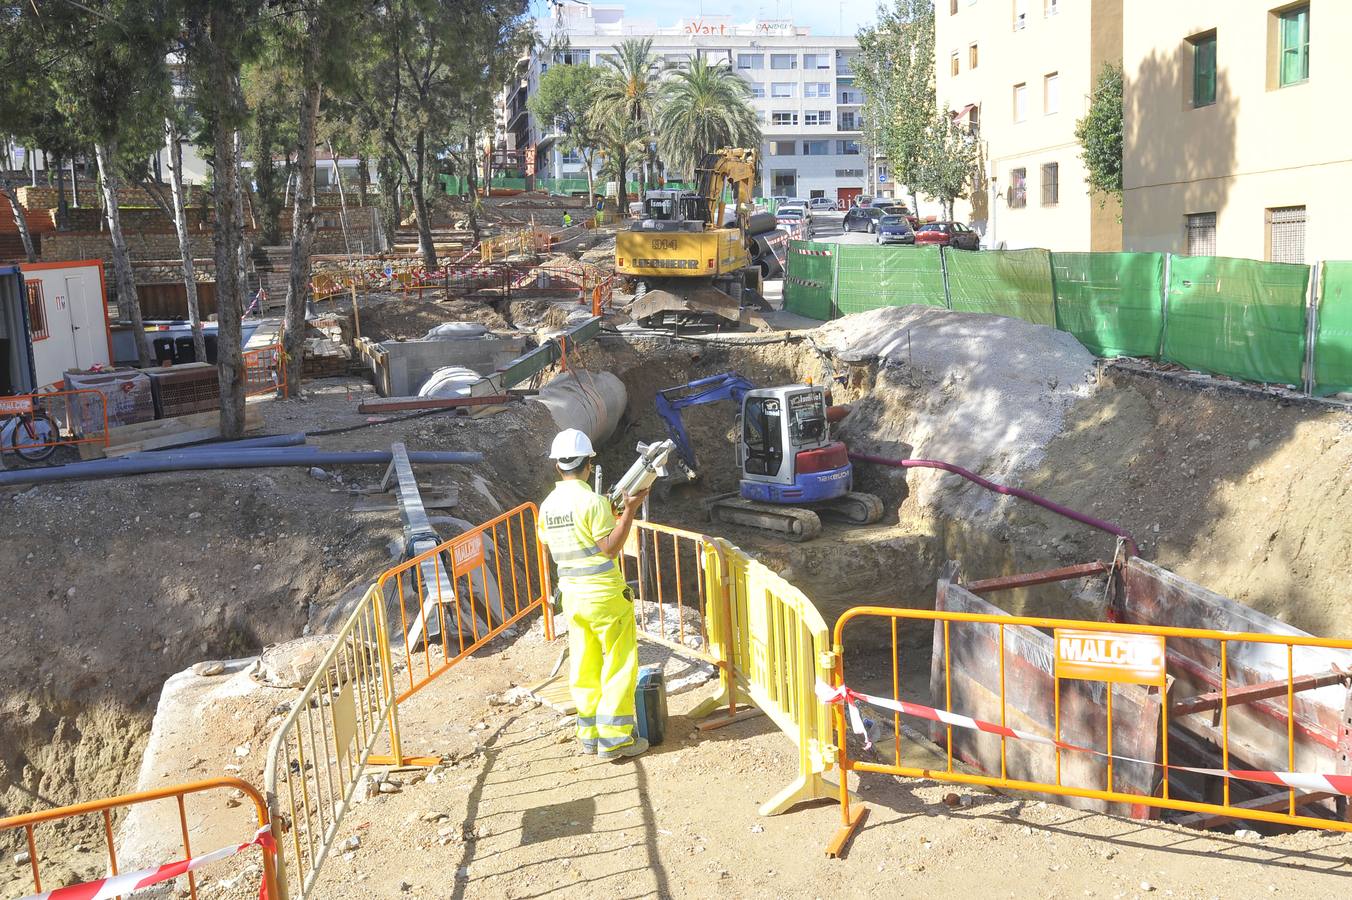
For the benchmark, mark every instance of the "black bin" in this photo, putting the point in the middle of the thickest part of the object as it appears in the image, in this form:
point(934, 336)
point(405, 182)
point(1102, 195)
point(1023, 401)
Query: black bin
point(650, 705)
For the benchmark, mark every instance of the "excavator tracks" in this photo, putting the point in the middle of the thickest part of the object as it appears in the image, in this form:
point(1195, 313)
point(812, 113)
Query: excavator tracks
point(792, 523)
point(854, 507)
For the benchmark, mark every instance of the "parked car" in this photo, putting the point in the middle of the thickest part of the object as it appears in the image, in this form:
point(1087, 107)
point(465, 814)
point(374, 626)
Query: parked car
point(894, 229)
point(901, 210)
point(948, 234)
point(822, 204)
point(862, 219)
point(882, 202)
point(795, 203)
point(794, 220)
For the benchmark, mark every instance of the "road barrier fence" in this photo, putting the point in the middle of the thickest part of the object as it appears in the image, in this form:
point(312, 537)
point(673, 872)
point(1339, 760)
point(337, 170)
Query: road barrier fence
point(988, 684)
point(1262, 322)
point(265, 371)
point(32, 422)
point(35, 825)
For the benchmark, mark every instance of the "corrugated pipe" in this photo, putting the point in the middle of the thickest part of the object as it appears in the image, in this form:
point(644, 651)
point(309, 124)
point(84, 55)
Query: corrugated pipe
point(1043, 502)
point(245, 458)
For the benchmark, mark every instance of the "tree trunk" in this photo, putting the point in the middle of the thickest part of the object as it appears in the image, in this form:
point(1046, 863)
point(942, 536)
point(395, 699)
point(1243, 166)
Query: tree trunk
point(363, 179)
point(417, 188)
point(387, 173)
point(174, 145)
point(74, 182)
point(242, 256)
point(20, 217)
point(62, 204)
point(128, 306)
point(302, 226)
point(342, 201)
point(591, 179)
point(224, 85)
point(621, 164)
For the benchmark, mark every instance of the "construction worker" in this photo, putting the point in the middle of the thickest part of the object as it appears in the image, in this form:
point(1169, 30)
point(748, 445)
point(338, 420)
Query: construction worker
point(567, 220)
point(584, 538)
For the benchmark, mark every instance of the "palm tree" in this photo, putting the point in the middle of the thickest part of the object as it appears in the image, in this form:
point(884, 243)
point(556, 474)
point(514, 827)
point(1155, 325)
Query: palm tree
point(620, 144)
point(628, 91)
point(701, 110)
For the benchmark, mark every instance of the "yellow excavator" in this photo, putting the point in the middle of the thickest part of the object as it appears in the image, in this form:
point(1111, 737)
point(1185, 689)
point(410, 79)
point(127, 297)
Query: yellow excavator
point(694, 261)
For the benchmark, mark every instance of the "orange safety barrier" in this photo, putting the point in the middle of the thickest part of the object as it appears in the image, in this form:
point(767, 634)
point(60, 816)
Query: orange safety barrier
point(104, 809)
point(1081, 673)
point(32, 423)
point(264, 371)
point(489, 578)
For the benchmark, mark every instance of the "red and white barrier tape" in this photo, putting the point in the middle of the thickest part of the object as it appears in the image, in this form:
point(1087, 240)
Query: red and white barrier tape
point(1332, 784)
point(131, 882)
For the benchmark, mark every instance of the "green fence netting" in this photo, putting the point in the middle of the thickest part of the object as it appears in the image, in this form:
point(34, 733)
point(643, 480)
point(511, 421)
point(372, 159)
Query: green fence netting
point(1111, 302)
point(869, 276)
point(1333, 339)
point(1237, 317)
point(1015, 283)
point(810, 278)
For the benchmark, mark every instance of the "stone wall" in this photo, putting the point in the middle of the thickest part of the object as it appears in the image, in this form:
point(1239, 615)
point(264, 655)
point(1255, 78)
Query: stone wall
point(153, 250)
point(198, 197)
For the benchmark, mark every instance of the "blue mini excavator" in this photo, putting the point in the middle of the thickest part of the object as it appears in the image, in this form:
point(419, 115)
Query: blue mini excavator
point(791, 471)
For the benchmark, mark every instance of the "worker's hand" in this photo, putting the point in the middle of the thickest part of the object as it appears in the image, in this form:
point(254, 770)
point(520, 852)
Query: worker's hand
point(632, 502)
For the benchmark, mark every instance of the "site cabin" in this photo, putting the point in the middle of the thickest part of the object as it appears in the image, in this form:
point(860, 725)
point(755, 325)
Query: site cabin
point(53, 317)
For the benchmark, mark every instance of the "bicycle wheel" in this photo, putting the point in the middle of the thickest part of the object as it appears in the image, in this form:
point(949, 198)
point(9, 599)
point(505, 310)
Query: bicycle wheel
point(31, 437)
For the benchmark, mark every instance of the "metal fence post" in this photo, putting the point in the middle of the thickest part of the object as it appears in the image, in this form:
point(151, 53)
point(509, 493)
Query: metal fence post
point(1315, 296)
point(943, 270)
point(1164, 302)
point(835, 281)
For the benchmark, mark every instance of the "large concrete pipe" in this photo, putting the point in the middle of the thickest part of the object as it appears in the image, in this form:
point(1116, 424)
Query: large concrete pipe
point(449, 381)
point(592, 402)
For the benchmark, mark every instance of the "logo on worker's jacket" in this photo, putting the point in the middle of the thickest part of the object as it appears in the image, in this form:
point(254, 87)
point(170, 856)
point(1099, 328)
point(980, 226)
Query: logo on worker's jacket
point(467, 552)
point(559, 520)
point(1101, 656)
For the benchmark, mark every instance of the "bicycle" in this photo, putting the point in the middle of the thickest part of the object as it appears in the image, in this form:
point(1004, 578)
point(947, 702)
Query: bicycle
point(27, 429)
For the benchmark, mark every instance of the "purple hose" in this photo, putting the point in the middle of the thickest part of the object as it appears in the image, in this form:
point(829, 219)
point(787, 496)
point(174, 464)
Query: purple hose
point(1043, 502)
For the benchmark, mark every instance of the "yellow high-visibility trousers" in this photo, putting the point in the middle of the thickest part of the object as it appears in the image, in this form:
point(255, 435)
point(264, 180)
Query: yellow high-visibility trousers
point(603, 669)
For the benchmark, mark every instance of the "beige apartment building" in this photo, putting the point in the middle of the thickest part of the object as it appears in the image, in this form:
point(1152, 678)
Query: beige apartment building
point(1235, 137)
point(1020, 72)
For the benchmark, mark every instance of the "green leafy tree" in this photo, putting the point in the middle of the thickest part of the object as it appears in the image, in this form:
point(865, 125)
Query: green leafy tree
point(1100, 135)
point(628, 91)
point(564, 101)
point(105, 62)
point(949, 167)
point(702, 109)
point(271, 93)
point(894, 70)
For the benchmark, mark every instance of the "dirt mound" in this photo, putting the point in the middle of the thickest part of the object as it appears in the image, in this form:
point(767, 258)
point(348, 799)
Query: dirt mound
point(984, 392)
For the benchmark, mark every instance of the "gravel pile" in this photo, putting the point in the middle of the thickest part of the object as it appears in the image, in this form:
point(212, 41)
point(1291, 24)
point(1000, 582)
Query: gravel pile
point(985, 392)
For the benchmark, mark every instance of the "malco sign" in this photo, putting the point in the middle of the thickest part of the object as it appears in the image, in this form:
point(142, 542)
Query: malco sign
point(1103, 656)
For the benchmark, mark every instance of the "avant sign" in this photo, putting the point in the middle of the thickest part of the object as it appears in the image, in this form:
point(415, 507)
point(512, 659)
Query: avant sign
point(1103, 656)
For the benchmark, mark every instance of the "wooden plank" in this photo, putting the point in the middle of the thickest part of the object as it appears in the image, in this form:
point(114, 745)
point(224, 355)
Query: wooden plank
point(190, 436)
point(390, 503)
point(140, 434)
point(1268, 802)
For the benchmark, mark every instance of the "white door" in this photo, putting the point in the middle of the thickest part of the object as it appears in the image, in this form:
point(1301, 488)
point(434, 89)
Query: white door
point(86, 322)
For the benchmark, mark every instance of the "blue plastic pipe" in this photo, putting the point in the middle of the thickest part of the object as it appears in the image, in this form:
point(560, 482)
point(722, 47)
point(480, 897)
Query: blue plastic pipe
point(268, 440)
point(245, 458)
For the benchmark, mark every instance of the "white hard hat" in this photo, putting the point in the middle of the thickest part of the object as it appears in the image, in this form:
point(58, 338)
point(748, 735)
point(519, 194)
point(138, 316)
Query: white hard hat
point(571, 448)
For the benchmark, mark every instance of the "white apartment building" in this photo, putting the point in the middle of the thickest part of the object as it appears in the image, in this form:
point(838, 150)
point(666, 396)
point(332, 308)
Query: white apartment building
point(802, 85)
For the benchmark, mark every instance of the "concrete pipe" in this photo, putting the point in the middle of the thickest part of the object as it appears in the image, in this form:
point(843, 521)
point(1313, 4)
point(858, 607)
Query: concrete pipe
point(449, 381)
point(591, 402)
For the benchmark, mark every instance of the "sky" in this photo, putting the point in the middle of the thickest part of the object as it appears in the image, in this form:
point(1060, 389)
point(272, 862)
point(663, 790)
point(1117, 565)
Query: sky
point(825, 17)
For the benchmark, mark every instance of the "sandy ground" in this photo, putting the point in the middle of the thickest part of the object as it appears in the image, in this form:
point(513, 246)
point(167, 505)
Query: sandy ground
point(518, 815)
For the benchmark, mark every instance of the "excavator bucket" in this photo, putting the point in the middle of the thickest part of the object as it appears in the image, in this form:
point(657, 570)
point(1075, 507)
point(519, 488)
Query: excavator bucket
point(694, 305)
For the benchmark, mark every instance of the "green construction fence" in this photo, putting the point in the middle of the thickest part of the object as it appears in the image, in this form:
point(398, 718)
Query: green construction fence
point(810, 279)
point(1241, 318)
point(1333, 332)
point(1237, 317)
point(1110, 301)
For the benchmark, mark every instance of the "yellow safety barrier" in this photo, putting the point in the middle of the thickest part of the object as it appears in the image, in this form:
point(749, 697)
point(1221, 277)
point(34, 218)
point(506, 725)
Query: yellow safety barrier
point(316, 758)
point(1089, 668)
point(778, 651)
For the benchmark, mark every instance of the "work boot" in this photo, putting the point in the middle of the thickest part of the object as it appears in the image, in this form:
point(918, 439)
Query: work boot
point(640, 745)
point(586, 748)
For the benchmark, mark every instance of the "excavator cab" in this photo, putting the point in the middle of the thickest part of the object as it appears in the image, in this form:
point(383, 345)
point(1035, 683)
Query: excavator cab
point(672, 211)
point(786, 453)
